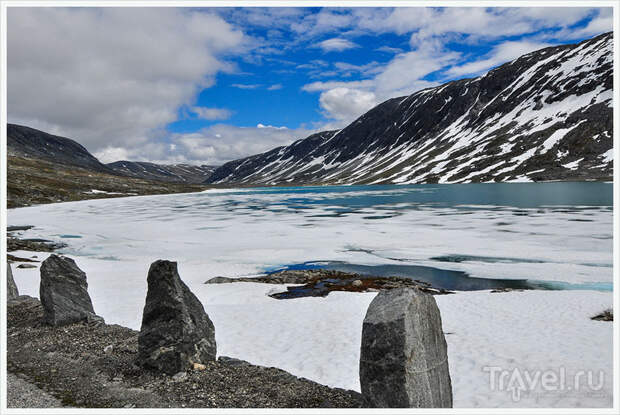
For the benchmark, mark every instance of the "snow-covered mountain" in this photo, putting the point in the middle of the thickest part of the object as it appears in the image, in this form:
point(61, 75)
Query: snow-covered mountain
point(177, 173)
point(544, 116)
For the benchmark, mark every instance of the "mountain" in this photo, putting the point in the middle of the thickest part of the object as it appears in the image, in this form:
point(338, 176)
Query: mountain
point(176, 173)
point(27, 142)
point(544, 116)
point(44, 168)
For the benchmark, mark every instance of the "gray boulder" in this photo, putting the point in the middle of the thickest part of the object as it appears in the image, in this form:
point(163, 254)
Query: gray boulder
point(176, 331)
point(64, 293)
point(11, 288)
point(404, 361)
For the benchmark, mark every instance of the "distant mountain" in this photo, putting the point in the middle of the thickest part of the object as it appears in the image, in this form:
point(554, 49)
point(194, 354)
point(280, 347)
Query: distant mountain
point(176, 173)
point(544, 116)
point(44, 168)
point(29, 143)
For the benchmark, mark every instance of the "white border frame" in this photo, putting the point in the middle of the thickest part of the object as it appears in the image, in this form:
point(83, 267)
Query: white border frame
point(4, 4)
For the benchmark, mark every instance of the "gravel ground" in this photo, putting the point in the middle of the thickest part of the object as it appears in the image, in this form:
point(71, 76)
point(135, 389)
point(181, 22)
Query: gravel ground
point(93, 366)
point(23, 394)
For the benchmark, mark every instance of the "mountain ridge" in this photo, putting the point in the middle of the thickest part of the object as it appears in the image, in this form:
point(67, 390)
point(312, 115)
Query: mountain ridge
point(546, 115)
point(174, 173)
point(27, 142)
point(31, 143)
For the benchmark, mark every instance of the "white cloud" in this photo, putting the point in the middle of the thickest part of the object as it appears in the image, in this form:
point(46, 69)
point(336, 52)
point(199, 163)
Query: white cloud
point(111, 154)
point(259, 125)
point(342, 102)
point(346, 69)
point(221, 143)
point(246, 86)
point(472, 22)
point(327, 20)
point(504, 52)
point(111, 78)
point(274, 87)
point(389, 49)
point(601, 23)
point(336, 45)
point(323, 86)
point(345, 104)
point(212, 113)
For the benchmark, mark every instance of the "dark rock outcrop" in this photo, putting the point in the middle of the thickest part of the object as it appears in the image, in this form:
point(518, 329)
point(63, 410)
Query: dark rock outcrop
point(64, 293)
point(404, 361)
point(11, 288)
point(176, 331)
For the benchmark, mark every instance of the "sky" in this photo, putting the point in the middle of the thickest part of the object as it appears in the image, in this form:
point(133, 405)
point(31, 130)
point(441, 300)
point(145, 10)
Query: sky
point(210, 85)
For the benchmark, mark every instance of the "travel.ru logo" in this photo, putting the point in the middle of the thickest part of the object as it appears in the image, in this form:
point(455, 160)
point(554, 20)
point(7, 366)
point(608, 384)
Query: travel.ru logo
point(518, 381)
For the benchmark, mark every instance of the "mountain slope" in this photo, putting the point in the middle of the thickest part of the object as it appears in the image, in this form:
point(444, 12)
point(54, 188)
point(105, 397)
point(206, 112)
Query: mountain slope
point(544, 116)
point(175, 173)
point(44, 168)
point(27, 142)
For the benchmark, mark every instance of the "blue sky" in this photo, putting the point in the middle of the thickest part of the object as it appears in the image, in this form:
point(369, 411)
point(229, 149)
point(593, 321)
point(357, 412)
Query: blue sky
point(208, 85)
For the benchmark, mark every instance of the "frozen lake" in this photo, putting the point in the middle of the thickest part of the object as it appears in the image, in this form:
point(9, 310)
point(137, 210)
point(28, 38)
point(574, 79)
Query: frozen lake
point(555, 234)
point(551, 232)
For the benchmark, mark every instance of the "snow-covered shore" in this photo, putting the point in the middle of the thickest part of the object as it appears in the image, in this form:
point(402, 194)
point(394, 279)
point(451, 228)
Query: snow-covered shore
point(319, 338)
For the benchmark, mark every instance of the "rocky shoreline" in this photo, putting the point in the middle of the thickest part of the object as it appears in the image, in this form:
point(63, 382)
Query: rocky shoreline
point(320, 282)
point(92, 365)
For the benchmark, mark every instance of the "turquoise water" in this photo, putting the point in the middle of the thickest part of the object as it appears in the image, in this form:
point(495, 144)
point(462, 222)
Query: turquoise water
point(439, 278)
point(519, 195)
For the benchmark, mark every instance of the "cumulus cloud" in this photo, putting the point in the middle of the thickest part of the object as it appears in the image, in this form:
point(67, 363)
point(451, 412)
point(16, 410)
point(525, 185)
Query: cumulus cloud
point(220, 143)
point(111, 78)
point(336, 45)
point(345, 104)
point(504, 52)
point(212, 113)
point(342, 102)
point(213, 145)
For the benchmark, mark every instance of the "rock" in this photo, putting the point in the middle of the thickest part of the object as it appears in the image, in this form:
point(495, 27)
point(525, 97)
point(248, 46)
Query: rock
point(13, 258)
point(11, 288)
point(232, 361)
point(198, 366)
point(404, 361)
point(179, 376)
point(24, 266)
point(356, 283)
point(18, 228)
point(63, 293)
point(108, 349)
point(607, 315)
point(176, 331)
point(33, 244)
point(219, 280)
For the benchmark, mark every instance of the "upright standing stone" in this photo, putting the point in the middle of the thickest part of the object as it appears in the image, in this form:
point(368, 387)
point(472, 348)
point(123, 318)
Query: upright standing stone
point(64, 293)
point(176, 331)
point(404, 360)
point(11, 288)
